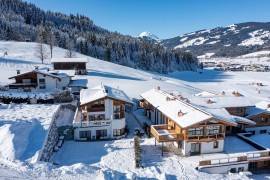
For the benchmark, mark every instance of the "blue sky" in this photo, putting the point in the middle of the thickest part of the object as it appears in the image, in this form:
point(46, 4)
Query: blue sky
point(164, 18)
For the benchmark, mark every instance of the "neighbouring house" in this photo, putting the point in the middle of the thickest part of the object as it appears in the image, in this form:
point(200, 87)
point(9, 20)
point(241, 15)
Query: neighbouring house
point(190, 129)
point(77, 64)
point(260, 114)
point(101, 114)
point(39, 80)
point(233, 102)
point(77, 85)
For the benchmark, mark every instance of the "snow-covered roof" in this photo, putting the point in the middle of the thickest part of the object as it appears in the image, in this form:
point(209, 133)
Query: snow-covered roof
point(191, 114)
point(78, 83)
point(243, 120)
point(102, 91)
point(263, 105)
point(220, 101)
point(47, 72)
point(252, 111)
point(71, 73)
point(81, 60)
point(205, 93)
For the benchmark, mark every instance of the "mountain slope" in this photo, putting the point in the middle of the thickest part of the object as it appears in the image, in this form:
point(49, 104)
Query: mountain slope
point(231, 41)
point(21, 21)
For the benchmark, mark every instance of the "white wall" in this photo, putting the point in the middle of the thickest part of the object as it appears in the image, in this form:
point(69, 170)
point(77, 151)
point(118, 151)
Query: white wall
point(93, 131)
point(118, 123)
point(224, 169)
point(63, 83)
point(206, 147)
point(52, 83)
point(115, 124)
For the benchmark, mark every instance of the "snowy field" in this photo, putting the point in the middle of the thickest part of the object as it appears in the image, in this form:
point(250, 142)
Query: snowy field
point(107, 159)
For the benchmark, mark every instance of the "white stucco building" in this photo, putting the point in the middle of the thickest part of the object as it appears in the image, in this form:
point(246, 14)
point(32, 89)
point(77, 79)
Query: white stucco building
point(101, 114)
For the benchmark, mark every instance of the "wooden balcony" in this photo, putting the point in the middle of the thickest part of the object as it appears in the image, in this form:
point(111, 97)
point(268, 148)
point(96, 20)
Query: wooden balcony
point(163, 134)
point(205, 138)
point(96, 109)
point(22, 85)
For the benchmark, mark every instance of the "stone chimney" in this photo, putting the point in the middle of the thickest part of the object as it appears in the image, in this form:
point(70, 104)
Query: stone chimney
point(209, 101)
point(18, 72)
point(168, 99)
point(180, 113)
point(236, 93)
point(223, 93)
point(187, 101)
point(158, 88)
point(180, 97)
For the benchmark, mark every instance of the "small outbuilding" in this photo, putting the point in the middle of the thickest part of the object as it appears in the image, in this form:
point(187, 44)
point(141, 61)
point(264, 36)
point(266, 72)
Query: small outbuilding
point(77, 64)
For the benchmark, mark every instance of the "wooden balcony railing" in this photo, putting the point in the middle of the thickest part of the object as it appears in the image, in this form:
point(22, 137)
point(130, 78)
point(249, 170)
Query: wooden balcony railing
point(204, 138)
point(22, 85)
point(163, 134)
point(248, 156)
point(96, 109)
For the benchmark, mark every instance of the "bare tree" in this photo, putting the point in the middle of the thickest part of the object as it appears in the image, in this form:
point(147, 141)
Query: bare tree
point(41, 52)
point(70, 50)
point(51, 41)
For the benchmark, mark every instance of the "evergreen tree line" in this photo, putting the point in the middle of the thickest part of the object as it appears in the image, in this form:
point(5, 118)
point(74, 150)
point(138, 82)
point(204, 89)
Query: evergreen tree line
point(22, 21)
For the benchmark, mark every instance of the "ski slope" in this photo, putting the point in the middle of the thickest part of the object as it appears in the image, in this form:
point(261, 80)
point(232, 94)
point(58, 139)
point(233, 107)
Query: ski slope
point(114, 159)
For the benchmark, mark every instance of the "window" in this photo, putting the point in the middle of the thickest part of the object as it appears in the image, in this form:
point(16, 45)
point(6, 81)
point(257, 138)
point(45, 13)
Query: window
point(239, 110)
point(233, 170)
point(263, 131)
point(116, 132)
point(26, 81)
point(264, 120)
point(213, 130)
point(85, 134)
point(103, 133)
point(42, 84)
point(96, 117)
point(195, 131)
point(240, 169)
point(215, 144)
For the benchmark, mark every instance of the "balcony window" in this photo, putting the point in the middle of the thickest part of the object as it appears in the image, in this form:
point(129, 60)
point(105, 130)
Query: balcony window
point(195, 131)
point(213, 130)
point(96, 117)
point(96, 106)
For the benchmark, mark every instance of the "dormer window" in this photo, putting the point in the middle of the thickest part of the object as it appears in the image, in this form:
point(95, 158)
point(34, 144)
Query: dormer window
point(209, 101)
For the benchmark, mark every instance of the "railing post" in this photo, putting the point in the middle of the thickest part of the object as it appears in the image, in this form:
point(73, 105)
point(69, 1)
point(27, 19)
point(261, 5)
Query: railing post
point(162, 149)
point(155, 142)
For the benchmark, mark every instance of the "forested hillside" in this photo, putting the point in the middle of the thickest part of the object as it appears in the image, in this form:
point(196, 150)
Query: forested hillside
point(22, 21)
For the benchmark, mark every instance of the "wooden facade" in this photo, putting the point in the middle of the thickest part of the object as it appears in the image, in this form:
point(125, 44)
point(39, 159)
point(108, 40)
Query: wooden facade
point(261, 120)
point(203, 132)
point(69, 65)
point(237, 111)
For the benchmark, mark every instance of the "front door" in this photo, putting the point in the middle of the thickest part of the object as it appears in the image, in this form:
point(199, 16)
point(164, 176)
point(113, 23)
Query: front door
point(253, 165)
point(195, 149)
point(101, 134)
point(88, 135)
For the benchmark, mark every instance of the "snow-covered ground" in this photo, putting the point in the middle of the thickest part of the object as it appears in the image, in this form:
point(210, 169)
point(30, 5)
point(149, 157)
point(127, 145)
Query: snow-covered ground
point(110, 159)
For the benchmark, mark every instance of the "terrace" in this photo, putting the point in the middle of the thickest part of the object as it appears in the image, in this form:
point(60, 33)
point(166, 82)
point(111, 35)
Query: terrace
point(163, 133)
